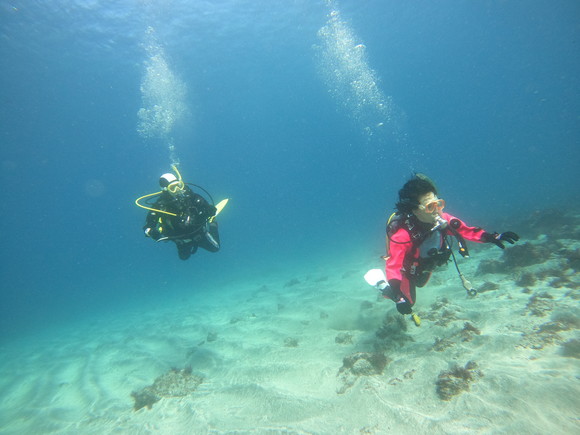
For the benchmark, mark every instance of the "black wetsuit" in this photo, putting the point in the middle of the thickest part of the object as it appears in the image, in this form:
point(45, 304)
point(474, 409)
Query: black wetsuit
point(190, 229)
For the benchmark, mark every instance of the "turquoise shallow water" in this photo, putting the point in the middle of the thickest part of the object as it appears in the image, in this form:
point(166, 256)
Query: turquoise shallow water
point(309, 116)
point(274, 354)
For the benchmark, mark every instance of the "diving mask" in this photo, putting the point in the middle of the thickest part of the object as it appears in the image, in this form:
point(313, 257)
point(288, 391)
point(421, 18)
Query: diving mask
point(172, 183)
point(175, 187)
point(431, 206)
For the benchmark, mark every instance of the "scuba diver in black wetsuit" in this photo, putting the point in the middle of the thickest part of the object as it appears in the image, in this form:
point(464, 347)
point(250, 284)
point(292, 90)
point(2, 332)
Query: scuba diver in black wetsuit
point(182, 216)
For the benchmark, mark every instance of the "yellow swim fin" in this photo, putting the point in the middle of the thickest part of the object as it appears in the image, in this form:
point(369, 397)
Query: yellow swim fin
point(416, 319)
point(219, 207)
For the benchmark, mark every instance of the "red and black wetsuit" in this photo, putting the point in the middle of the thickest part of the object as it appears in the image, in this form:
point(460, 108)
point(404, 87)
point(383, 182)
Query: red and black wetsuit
point(415, 250)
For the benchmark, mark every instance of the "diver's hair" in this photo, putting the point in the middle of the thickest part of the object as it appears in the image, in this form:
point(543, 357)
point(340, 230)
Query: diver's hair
point(417, 186)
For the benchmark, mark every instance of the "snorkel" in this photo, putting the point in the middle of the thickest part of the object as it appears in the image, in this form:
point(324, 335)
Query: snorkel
point(176, 186)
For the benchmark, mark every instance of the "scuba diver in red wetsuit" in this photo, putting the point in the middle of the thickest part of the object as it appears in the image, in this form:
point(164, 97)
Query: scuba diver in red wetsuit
point(418, 241)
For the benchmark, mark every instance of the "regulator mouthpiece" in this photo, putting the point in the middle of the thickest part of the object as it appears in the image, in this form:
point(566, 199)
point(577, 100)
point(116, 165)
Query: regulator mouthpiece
point(440, 223)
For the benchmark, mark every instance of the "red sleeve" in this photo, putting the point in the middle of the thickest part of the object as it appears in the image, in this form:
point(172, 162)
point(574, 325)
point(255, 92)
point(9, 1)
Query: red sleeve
point(399, 246)
point(469, 233)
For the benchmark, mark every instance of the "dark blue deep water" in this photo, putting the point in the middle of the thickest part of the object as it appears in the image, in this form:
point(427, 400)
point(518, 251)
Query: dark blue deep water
point(310, 129)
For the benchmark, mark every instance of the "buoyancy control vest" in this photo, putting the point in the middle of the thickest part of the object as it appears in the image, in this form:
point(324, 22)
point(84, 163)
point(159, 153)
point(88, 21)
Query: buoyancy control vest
point(429, 250)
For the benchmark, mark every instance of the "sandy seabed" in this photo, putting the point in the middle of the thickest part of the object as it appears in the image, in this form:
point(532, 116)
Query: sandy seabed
point(319, 353)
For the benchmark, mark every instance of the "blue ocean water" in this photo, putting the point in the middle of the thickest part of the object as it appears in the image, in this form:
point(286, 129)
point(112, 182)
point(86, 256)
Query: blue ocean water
point(309, 115)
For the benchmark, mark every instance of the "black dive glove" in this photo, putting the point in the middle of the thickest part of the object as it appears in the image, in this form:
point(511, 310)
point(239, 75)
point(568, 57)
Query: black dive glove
point(497, 239)
point(403, 305)
point(153, 233)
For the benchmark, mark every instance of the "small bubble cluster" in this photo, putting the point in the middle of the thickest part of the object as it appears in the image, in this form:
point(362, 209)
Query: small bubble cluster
point(163, 95)
point(350, 80)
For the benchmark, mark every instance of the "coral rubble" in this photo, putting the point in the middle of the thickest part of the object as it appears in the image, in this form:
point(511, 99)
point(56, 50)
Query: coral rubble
point(360, 364)
point(174, 383)
point(290, 342)
point(453, 382)
point(571, 349)
point(343, 338)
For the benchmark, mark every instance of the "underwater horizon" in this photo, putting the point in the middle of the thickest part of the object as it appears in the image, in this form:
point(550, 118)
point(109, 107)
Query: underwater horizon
point(308, 115)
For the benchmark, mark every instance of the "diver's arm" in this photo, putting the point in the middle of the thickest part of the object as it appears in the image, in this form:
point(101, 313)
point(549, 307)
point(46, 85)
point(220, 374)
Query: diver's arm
point(200, 209)
point(399, 246)
point(151, 221)
point(473, 234)
point(477, 234)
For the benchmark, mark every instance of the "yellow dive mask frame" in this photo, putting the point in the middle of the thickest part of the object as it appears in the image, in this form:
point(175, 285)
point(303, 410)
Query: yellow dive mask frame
point(178, 185)
point(173, 188)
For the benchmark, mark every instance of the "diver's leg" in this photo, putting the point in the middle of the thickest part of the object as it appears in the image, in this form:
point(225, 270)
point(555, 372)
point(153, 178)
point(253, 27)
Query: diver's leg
point(184, 250)
point(211, 238)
